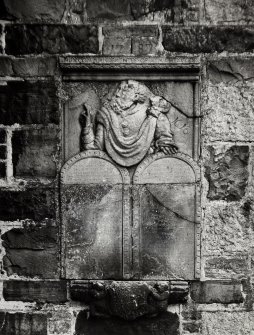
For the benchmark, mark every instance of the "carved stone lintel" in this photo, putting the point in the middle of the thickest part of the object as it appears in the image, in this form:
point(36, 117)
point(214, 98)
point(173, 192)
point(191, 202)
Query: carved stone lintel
point(129, 300)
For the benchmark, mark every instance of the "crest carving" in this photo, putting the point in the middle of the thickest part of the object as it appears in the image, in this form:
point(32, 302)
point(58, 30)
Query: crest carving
point(132, 123)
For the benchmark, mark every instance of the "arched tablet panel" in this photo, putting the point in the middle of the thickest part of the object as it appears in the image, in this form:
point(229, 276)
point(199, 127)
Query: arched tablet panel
point(166, 217)
point(93, 216)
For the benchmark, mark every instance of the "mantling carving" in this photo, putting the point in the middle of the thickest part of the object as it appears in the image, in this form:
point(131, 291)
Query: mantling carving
point(129, 300)
point(131, 124)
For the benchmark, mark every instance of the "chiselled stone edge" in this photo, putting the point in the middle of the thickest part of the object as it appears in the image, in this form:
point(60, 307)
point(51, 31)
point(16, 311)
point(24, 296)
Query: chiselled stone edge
point(152, 158)
point(93, 154)
point(128, 62)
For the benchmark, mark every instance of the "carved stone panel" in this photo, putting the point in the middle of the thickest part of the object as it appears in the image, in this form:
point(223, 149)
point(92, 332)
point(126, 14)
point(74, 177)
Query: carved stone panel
point(130, 202)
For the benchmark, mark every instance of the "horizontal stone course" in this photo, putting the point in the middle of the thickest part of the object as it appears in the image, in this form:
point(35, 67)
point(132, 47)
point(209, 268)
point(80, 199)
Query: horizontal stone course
point(208, 39)
point(32, 251)
point(32, 102)
point(34, 152)
point(23, 323)
point(33, 203)
point(35, 291)
point(216, 292)
point(51, 39)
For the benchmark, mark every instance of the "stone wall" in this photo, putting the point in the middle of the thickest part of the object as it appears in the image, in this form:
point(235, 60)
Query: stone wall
point(33, 297)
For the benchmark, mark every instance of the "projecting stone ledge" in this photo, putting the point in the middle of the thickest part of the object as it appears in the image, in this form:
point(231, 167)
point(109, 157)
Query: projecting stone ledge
point(129, 300)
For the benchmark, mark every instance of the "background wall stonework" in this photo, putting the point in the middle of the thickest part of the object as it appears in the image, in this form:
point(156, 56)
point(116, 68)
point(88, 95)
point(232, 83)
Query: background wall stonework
point(33, 297)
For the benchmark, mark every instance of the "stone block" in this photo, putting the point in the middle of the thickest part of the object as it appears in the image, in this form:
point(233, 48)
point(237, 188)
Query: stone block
point(2, 169)
point(2, 136)
point(31, 103)
point(210, 292)
point(225, 323)
point(33, 203)
point(52, 39)
point(226, 230)
point(3, 151)
point(235, 11)
point(208, 39)
point(34, 152)
point(35, 291)
point(34, 66)
point(229, 267)
point(165, 323)
point(227, 173)
point(230, 117)
point(28, 10)
point(5, 66)
point(109, 10)
point(31, 251)
point(137, 40)
point(230, 70)
point(23, 323)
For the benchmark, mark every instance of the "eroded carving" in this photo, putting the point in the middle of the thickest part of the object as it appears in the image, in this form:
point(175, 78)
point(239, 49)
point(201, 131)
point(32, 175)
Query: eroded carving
point(129, 300)
point(132, 123)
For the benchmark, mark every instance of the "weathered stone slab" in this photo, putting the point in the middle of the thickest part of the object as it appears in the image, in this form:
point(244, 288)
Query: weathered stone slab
point(92, 216)
point(227, 173)
point(230, 70)
point(23, 323)
point(167, 234)
point(229, 118)
point(165, 323)
point(31, 103)
point(208, 39)
point(236, 11)
point(28, 10)
point(216, 292)
point(109, 10)
point(34, 66)
point(34, 152)
point(137, 40)
point(31, 251)
point(35, 204)
point(5, 66)
point(224, 323)
point(35, 291)
point(52, 39)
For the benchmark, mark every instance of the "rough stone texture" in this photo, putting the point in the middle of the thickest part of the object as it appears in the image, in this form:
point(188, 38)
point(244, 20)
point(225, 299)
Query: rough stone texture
point(216, 292)
point(52, 39)
point(230, 70)
point(31, 103)
point(225, 323)
point(34, 66)
point(234, 11)
point(207, 39)
point(34, 152)
point(136, 40)
point(23, 324)
point(228, 111)
point(226, 250)
point(126, 300)
point(31, 251)
point(39, 291)
point(33, 203)
point(28, 10)
point(191, 318)
point(227, 173)
point(166, 323)
point(110, 9)
point(5, 66)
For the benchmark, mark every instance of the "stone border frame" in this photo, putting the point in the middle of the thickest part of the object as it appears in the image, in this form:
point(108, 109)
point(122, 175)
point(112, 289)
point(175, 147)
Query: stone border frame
point(126, 251)
point(170, 68)
point(197, 171)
